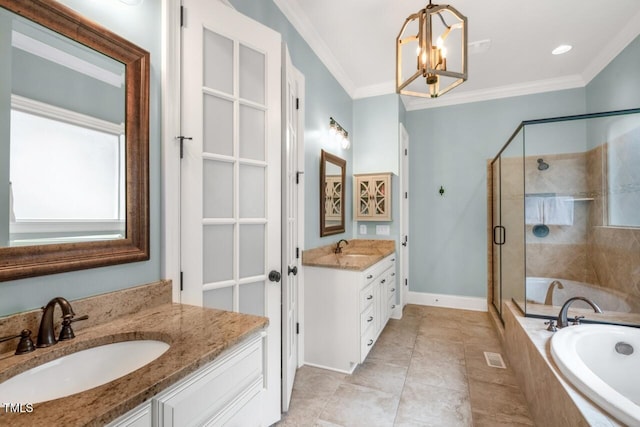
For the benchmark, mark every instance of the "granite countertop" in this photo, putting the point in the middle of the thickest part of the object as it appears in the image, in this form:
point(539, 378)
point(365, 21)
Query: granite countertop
point(358, 255)
point(196, 336)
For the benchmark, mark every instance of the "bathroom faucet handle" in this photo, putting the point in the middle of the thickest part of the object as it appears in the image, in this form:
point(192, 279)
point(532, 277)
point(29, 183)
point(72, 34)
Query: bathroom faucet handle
point(552, 325)
point(576, 320)
point(66, 333)
point(25, 345)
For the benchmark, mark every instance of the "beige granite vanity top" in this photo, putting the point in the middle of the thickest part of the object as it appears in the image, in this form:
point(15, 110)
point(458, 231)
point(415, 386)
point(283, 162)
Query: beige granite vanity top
point(358, 255)
point(196, 336)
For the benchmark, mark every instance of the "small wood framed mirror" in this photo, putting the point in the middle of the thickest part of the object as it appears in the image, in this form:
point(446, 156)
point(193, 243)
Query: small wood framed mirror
point(332, 186)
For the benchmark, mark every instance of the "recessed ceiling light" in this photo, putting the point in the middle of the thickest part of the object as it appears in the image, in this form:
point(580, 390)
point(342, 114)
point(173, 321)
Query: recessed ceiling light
point(563, 48)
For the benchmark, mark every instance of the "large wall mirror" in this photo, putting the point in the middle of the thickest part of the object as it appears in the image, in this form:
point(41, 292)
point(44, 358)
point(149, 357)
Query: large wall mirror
point(332, 178)
point(74, 127)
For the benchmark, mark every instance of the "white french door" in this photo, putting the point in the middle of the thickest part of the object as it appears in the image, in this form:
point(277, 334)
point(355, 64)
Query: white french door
point(230, 172)
point(404, 222)
point(292, 234)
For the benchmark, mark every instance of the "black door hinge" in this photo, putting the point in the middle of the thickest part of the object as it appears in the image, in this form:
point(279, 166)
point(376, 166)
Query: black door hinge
point(298, 176)
point(297, 253)
point(297, 328)
point(181, 282)
point(406, 282)
point(405, 151)
point(181, 16)
point(297, 103)
point(406, 195)
point(182, 138)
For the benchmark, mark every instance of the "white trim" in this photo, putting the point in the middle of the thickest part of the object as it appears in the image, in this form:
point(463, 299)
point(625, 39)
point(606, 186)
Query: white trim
point(301, 22)
point(375, 90)
point(449, 301)
point(42, 109)
point(50, 53)
point(170, 176)
point(519, 89)
point(617, 44)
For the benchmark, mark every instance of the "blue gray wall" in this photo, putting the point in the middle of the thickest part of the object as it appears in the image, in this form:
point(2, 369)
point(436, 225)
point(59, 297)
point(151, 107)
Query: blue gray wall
point(450, 147)
point(141, 25)
point(324, 98)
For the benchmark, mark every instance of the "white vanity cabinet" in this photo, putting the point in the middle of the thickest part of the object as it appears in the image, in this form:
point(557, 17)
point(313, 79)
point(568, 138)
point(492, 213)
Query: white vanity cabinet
point(227, 391)
point(344, 313)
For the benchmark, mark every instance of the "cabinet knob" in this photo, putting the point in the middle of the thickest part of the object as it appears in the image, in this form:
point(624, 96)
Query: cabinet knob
point(393, 274)
point(370, 319)
point(383, 281)
point(393, 289)
point(370, 343)
point(393, 306)
point(370, 276)
point(370, 297)
point(393, 259)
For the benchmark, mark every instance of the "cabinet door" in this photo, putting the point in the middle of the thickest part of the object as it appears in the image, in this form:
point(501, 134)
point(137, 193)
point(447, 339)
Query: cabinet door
point(372, 197)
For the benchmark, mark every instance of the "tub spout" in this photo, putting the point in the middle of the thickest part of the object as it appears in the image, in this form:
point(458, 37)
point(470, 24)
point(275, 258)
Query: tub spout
point(562, 317)
point(548, 300)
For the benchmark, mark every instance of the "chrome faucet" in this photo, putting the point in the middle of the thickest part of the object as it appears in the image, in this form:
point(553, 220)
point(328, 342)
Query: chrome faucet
point(46, 334)
point(548, 300)
point(562, 317)
point(338, 249)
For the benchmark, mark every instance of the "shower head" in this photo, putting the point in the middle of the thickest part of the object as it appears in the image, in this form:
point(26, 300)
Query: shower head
point(542, 165)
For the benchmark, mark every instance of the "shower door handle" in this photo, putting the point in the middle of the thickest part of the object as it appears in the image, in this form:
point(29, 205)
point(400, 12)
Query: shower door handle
point(503, 235)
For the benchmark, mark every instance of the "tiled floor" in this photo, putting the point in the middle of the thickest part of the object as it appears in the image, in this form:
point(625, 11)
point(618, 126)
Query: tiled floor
point(427, 369)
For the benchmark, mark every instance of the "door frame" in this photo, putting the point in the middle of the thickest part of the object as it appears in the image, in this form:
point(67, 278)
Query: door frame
point(170, 145)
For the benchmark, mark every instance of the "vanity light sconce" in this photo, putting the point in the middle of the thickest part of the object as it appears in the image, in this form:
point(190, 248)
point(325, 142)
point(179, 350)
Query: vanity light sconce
point(339, 134)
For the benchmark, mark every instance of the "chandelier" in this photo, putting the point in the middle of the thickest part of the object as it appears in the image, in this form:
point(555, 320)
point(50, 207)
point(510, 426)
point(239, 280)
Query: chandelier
point(432, 45)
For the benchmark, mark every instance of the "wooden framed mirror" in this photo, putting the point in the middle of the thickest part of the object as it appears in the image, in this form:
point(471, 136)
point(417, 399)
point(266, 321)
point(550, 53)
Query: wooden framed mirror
point(332, 186)
point(90, 61)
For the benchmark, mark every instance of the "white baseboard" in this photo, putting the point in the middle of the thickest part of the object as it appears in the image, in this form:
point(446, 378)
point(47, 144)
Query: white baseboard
point(448, 301)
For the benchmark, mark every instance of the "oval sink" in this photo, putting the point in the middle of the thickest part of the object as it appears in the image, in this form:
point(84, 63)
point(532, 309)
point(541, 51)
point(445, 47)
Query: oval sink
point(80, 371)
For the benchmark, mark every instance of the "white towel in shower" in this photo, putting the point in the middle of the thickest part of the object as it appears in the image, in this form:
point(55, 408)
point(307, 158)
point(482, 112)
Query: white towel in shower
point(558, 211)
point(533, 210)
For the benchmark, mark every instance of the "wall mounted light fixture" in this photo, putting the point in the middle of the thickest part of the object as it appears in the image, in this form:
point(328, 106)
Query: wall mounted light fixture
point(432, 44)
point(339, 134)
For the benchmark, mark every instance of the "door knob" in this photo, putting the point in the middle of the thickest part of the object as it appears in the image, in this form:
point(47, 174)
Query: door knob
point(293, 270)
point(274, 276)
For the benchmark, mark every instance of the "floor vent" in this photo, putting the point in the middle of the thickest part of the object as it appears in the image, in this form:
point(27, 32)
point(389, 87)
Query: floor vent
point(494, 360)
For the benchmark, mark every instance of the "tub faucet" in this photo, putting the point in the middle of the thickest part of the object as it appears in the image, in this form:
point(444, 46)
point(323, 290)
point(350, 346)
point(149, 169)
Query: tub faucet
point(338, 249)
point(46, 335)
point(548, 300)
point(562, 317)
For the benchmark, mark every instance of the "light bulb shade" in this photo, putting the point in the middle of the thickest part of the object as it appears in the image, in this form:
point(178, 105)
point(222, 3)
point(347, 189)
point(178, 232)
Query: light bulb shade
point(437, 35)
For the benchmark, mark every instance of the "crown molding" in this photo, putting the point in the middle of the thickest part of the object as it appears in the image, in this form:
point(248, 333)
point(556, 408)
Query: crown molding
point(521, 89)
point(621, 40)
point(306, 28)
point(375, 90)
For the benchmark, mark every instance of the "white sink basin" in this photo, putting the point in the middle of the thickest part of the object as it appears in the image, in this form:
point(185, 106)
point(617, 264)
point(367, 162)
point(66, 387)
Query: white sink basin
point(80, 371)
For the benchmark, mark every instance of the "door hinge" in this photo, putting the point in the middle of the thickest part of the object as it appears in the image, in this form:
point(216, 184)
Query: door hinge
point(182, 138)
point(297, 103)
point(298, 176)
point(406, 282)
point(297, 253)
point(181, 281)
point(406, 195)
point(297, 328)
point(405, 151)
point(181, 16)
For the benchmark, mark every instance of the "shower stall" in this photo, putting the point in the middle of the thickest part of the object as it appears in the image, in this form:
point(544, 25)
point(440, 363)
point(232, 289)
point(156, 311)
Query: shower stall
point(564, 203)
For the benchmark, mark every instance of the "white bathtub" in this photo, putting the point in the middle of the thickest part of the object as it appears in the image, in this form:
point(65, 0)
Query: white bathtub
point(608, 300)
point(602, 362)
